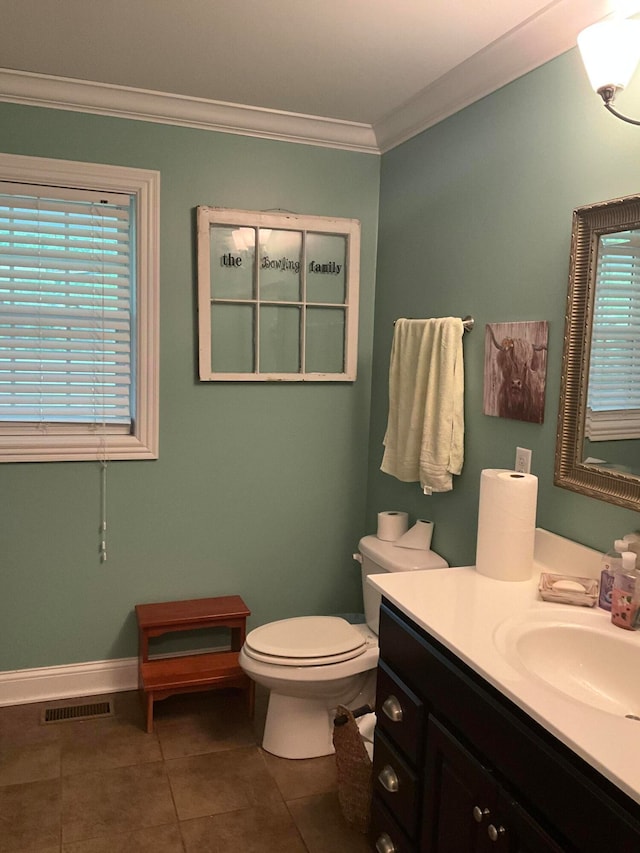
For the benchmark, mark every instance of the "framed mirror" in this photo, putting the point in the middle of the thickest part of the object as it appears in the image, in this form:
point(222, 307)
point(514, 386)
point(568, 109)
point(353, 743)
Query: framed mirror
point(598, 439)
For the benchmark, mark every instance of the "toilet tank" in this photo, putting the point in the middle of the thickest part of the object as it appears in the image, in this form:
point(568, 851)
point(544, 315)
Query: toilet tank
point(379, 556)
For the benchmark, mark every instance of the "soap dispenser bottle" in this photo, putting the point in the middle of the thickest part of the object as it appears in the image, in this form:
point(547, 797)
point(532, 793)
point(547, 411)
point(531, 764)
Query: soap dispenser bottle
point(611, 563)
point(633, 542)
point(623, 598)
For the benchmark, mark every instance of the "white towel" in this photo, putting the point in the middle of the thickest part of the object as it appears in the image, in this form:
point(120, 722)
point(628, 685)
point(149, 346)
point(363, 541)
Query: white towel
point(424, 440)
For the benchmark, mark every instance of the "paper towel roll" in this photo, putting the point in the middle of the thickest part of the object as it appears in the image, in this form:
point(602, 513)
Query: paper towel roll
point(506, 524)
point(418, 536)
point(392, 524)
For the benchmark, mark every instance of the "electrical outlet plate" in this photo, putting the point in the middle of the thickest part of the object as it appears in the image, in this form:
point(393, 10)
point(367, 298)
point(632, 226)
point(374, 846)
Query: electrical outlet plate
point(523, 460)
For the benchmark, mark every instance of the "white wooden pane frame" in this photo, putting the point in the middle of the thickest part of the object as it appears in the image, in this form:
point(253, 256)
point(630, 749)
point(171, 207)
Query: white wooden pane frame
point(612, 425)
point(615, 315)
point(74, 442)
point(349, 229)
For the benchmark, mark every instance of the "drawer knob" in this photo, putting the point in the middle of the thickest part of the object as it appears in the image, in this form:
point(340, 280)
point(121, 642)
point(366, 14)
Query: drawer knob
point(480, 814)
point(388, 778)
point(384, 844)
point(392, 708)
point(495, 833)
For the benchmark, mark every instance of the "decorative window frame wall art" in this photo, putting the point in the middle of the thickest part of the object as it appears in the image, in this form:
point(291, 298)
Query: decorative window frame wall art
point(277, 296)
point(515, 370)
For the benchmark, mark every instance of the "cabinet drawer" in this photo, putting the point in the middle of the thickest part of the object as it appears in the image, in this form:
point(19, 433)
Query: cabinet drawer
point(399, 713)
point(403, 651)
point(396, 784)
point(385, 835)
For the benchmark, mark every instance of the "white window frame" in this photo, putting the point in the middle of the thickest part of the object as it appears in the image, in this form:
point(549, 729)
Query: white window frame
point(347, 228)
point(615, 322)
point(31, 442)
point(612, 425)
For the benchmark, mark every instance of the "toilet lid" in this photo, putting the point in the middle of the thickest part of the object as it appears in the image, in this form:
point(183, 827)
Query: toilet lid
point(305, 641)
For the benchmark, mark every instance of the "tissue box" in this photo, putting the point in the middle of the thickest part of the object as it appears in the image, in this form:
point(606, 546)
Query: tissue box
point(567, 589)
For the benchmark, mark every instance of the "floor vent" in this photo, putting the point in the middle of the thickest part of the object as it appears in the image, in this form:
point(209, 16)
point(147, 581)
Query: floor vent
point(62, 713)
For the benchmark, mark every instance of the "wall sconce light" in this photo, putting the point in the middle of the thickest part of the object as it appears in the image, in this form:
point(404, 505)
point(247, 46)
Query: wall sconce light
point(611, 51)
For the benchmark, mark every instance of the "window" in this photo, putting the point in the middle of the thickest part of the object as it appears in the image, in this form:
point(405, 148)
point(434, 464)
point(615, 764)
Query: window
point(78, 311)
point(278, 296)
point(613, 404)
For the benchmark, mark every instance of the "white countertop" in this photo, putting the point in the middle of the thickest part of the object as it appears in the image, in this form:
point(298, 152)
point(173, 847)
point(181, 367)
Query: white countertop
point(470, 615)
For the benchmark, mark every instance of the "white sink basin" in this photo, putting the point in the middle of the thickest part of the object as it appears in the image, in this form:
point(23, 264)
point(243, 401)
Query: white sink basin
point(580, 654)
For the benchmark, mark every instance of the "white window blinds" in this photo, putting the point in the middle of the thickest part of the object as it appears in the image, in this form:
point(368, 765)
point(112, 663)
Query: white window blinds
point(66, 306)
point(614, 370)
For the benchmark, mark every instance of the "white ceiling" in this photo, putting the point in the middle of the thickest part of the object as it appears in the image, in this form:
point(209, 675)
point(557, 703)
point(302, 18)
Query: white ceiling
point(362, 74)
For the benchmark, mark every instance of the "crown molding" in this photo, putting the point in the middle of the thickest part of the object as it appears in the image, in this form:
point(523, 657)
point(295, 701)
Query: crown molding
point(62, 93)
point(536, 41)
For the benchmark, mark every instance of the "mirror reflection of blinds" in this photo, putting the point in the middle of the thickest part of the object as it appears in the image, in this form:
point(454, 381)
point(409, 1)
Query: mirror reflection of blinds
point(614, 370)
point(66, 272)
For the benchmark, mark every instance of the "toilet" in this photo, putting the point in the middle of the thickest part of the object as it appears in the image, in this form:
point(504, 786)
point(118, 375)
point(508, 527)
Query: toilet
point(311, 664)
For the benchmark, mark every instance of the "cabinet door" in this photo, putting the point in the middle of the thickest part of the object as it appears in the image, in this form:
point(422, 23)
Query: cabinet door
point(460, 797)
point(466, 811)
point(522, 833)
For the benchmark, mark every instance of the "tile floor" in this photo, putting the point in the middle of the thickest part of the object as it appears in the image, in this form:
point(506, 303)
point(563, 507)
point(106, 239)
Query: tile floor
point(199, 784)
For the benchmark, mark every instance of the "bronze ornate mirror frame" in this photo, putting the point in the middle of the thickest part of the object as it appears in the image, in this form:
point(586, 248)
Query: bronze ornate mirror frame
point(571, 472)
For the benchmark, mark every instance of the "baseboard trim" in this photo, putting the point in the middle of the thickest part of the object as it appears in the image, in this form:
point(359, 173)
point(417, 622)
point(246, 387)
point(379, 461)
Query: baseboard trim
point(93, 678)
point(43, 684)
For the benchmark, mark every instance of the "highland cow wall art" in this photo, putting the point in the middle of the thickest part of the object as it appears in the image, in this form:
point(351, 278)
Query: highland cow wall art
point(515, 369)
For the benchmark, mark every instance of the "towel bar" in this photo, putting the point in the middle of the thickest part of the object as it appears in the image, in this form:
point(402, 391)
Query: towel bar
point(468, 322)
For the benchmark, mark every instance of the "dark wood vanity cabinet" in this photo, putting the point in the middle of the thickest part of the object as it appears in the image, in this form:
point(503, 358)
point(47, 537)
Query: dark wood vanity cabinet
point(458, 768)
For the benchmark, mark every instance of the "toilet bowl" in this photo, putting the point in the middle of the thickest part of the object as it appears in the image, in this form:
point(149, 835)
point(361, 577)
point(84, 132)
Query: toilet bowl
point(311, 664)
point(327, 662)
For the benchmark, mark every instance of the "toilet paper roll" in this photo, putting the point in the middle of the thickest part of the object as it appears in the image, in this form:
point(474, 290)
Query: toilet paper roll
point(418, 536)
point(392, 524)
point(506, 524)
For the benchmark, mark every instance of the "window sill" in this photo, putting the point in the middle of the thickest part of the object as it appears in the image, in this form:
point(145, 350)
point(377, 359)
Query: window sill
point(74, 448)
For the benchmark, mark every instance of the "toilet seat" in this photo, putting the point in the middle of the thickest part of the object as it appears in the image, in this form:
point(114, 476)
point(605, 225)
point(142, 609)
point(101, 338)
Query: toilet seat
point(305, 641)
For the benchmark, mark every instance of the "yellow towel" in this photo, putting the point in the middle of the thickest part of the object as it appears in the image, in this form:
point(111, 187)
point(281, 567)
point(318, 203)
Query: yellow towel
point(424, 440)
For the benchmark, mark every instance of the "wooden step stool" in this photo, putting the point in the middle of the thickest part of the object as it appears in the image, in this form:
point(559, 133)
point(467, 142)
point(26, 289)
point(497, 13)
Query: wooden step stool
point(163, 677)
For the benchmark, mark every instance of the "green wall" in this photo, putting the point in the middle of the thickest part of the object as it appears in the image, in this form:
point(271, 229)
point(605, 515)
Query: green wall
point(475, 218)
point(264, 490)
point(259, 489)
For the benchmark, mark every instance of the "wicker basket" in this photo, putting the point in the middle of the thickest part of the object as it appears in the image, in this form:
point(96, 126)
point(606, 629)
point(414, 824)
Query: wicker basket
point(354, 771)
